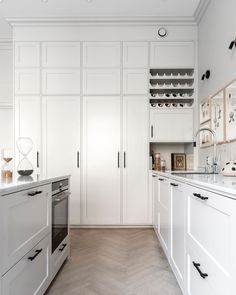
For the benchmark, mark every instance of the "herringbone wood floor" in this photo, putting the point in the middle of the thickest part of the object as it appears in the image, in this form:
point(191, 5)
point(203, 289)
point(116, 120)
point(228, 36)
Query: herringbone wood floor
point(115, 262)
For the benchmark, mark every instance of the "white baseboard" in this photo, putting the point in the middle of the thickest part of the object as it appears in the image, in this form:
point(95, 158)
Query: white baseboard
point(111, 226)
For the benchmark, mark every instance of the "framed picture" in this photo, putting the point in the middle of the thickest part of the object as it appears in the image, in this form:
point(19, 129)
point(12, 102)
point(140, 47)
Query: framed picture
point(218, 115)
point(205, 111)
point(178, 162)
point(205, 137)
point(230, 112)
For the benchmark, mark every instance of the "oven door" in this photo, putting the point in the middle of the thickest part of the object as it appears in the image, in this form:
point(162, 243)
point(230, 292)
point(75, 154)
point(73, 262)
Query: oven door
point(59, 218)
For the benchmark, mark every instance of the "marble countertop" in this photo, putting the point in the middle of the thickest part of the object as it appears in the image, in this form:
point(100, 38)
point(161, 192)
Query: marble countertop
point(213, 182)
point(19, 183)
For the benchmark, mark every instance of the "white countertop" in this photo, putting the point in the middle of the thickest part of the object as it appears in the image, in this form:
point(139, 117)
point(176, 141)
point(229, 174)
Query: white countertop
point(18, 183)
point(213, 182)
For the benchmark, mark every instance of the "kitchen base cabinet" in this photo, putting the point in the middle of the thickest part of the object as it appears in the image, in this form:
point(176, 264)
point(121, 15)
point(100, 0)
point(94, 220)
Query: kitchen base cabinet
point(153, 184)
point(30, 276)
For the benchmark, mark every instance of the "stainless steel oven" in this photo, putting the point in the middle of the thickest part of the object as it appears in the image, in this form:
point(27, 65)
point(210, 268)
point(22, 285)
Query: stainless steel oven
point(60, 201)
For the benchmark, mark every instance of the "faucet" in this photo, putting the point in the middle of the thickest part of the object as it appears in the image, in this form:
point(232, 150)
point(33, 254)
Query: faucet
point(215, 164)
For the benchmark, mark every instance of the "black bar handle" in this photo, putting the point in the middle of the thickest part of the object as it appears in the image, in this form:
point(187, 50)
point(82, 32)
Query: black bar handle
point(197, 266)
point(154, 176)
point(118, 160)
point(124, 159)
point(151, 131)
point(63, 247)
point(199, 196)
point(37, 159)
point(37, 252)
point(161, 179)
point(174, 184)
point(78, 163)
point(34, 193)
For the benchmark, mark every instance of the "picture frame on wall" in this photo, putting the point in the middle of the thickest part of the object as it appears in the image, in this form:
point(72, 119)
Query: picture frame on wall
point(178, 162)
point(205, 111)
point(218, 115)
point(230, 111)
point(205, 137)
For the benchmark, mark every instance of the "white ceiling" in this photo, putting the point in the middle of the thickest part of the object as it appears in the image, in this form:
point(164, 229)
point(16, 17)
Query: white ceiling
point(99, 8)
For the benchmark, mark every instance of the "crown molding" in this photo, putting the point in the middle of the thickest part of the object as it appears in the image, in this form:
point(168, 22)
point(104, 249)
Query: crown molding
point(103, 21)
point(202, 7)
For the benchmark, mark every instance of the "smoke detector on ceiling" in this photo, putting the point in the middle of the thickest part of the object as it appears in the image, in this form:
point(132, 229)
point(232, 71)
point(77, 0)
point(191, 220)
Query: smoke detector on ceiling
point(162, 32)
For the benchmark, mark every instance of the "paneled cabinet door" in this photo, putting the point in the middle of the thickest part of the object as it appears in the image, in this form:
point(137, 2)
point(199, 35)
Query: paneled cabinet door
point(101, 54)
point(135, 161)
point(135, 81)
point(155, 190)
point(172, 54)
point(28, 124)
point(30, 276)
point(178, 231)
point(61, 135)
point(61, 54)
point(171, 125)
point(135, 54)
point(101, 161)
point(27, 81)
point(27, 54)
point(163, 209)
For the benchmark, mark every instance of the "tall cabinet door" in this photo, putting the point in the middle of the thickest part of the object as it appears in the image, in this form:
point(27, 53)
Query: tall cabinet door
point(101, 161)
point(28, 124)
point(135, 161)
point(61, 136)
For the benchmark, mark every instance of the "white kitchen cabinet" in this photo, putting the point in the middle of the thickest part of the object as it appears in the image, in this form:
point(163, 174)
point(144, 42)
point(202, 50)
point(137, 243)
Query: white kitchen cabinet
point(31, 275)
point(101, 81)
point(27, 81)
point(155, 192)
point(27, 54)
point(25, 219)
point(178, 231)
point(101, 54)
point(135, 54)
point(136, 201)
point(101, 161)
point(171, 125)
point(163, 209)
point(211, 242)
point(135, 81)
point(61, 54)
point(28, 124)
point(172, 55)
point(61, 137)
point(61, 82)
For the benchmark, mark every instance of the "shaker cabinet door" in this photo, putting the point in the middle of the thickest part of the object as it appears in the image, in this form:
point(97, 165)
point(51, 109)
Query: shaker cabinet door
point(27, 54)
point(135, 54)
point(135, 82)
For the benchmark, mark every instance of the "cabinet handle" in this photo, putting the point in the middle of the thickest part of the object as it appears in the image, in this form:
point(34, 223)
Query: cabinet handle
point(124, 159)
point(118, 159)
point(37, 159)
point(151, 131)
point(37, 252)
point(63, 247)
point(78, 164)
point(174, 184)
point(161, 179)
point(154, 176)
point(199, 196)
point(34, 193)
point(197, 266)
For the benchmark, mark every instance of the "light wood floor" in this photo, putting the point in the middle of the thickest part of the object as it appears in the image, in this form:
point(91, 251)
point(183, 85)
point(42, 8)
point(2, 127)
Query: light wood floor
point(115, 262)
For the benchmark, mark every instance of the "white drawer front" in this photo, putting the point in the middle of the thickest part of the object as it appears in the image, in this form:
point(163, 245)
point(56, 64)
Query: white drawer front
point(60, 255)
point(101, 54)
point(24, 221)
point(27, 54)
point(27, 81)
point(101, 82)
point(61, 54)
point(29, 276)
point(135, 82)
point(61, 82)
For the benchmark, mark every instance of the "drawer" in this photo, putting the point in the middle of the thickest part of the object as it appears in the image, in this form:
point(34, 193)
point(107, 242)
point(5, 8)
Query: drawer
point(217, 282)
point(25, 220)
point(30, 276)
point(59, 255)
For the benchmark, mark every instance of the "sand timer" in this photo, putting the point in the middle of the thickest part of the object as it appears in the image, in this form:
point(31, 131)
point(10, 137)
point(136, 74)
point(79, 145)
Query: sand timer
point(24, 145)
point(7, 169)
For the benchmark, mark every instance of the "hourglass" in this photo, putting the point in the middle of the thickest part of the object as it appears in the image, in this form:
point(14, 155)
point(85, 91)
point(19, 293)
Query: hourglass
point(7, 169)
point(24, 145)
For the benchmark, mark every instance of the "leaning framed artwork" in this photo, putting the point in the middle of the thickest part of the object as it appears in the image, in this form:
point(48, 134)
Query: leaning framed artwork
point(230, 111)
point(204, 111)
point(205, 137)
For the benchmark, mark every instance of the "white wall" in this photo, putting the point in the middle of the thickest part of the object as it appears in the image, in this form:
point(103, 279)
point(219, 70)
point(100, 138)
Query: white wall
point(217, 29)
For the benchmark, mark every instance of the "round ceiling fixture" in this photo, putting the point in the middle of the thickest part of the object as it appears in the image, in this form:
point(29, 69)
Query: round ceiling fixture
point(162, 32)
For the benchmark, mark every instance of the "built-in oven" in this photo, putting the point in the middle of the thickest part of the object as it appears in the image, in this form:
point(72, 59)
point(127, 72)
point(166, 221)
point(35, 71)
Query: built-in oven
point(60, 201)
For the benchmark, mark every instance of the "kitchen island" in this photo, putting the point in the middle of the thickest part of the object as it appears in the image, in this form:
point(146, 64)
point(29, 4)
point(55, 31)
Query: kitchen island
point(28, 224)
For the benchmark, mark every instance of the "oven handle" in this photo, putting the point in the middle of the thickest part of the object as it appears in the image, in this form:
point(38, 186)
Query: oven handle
point(60, 197)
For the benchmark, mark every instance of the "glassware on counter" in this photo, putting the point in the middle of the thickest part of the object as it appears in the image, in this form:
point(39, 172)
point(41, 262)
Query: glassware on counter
point(25, 145)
